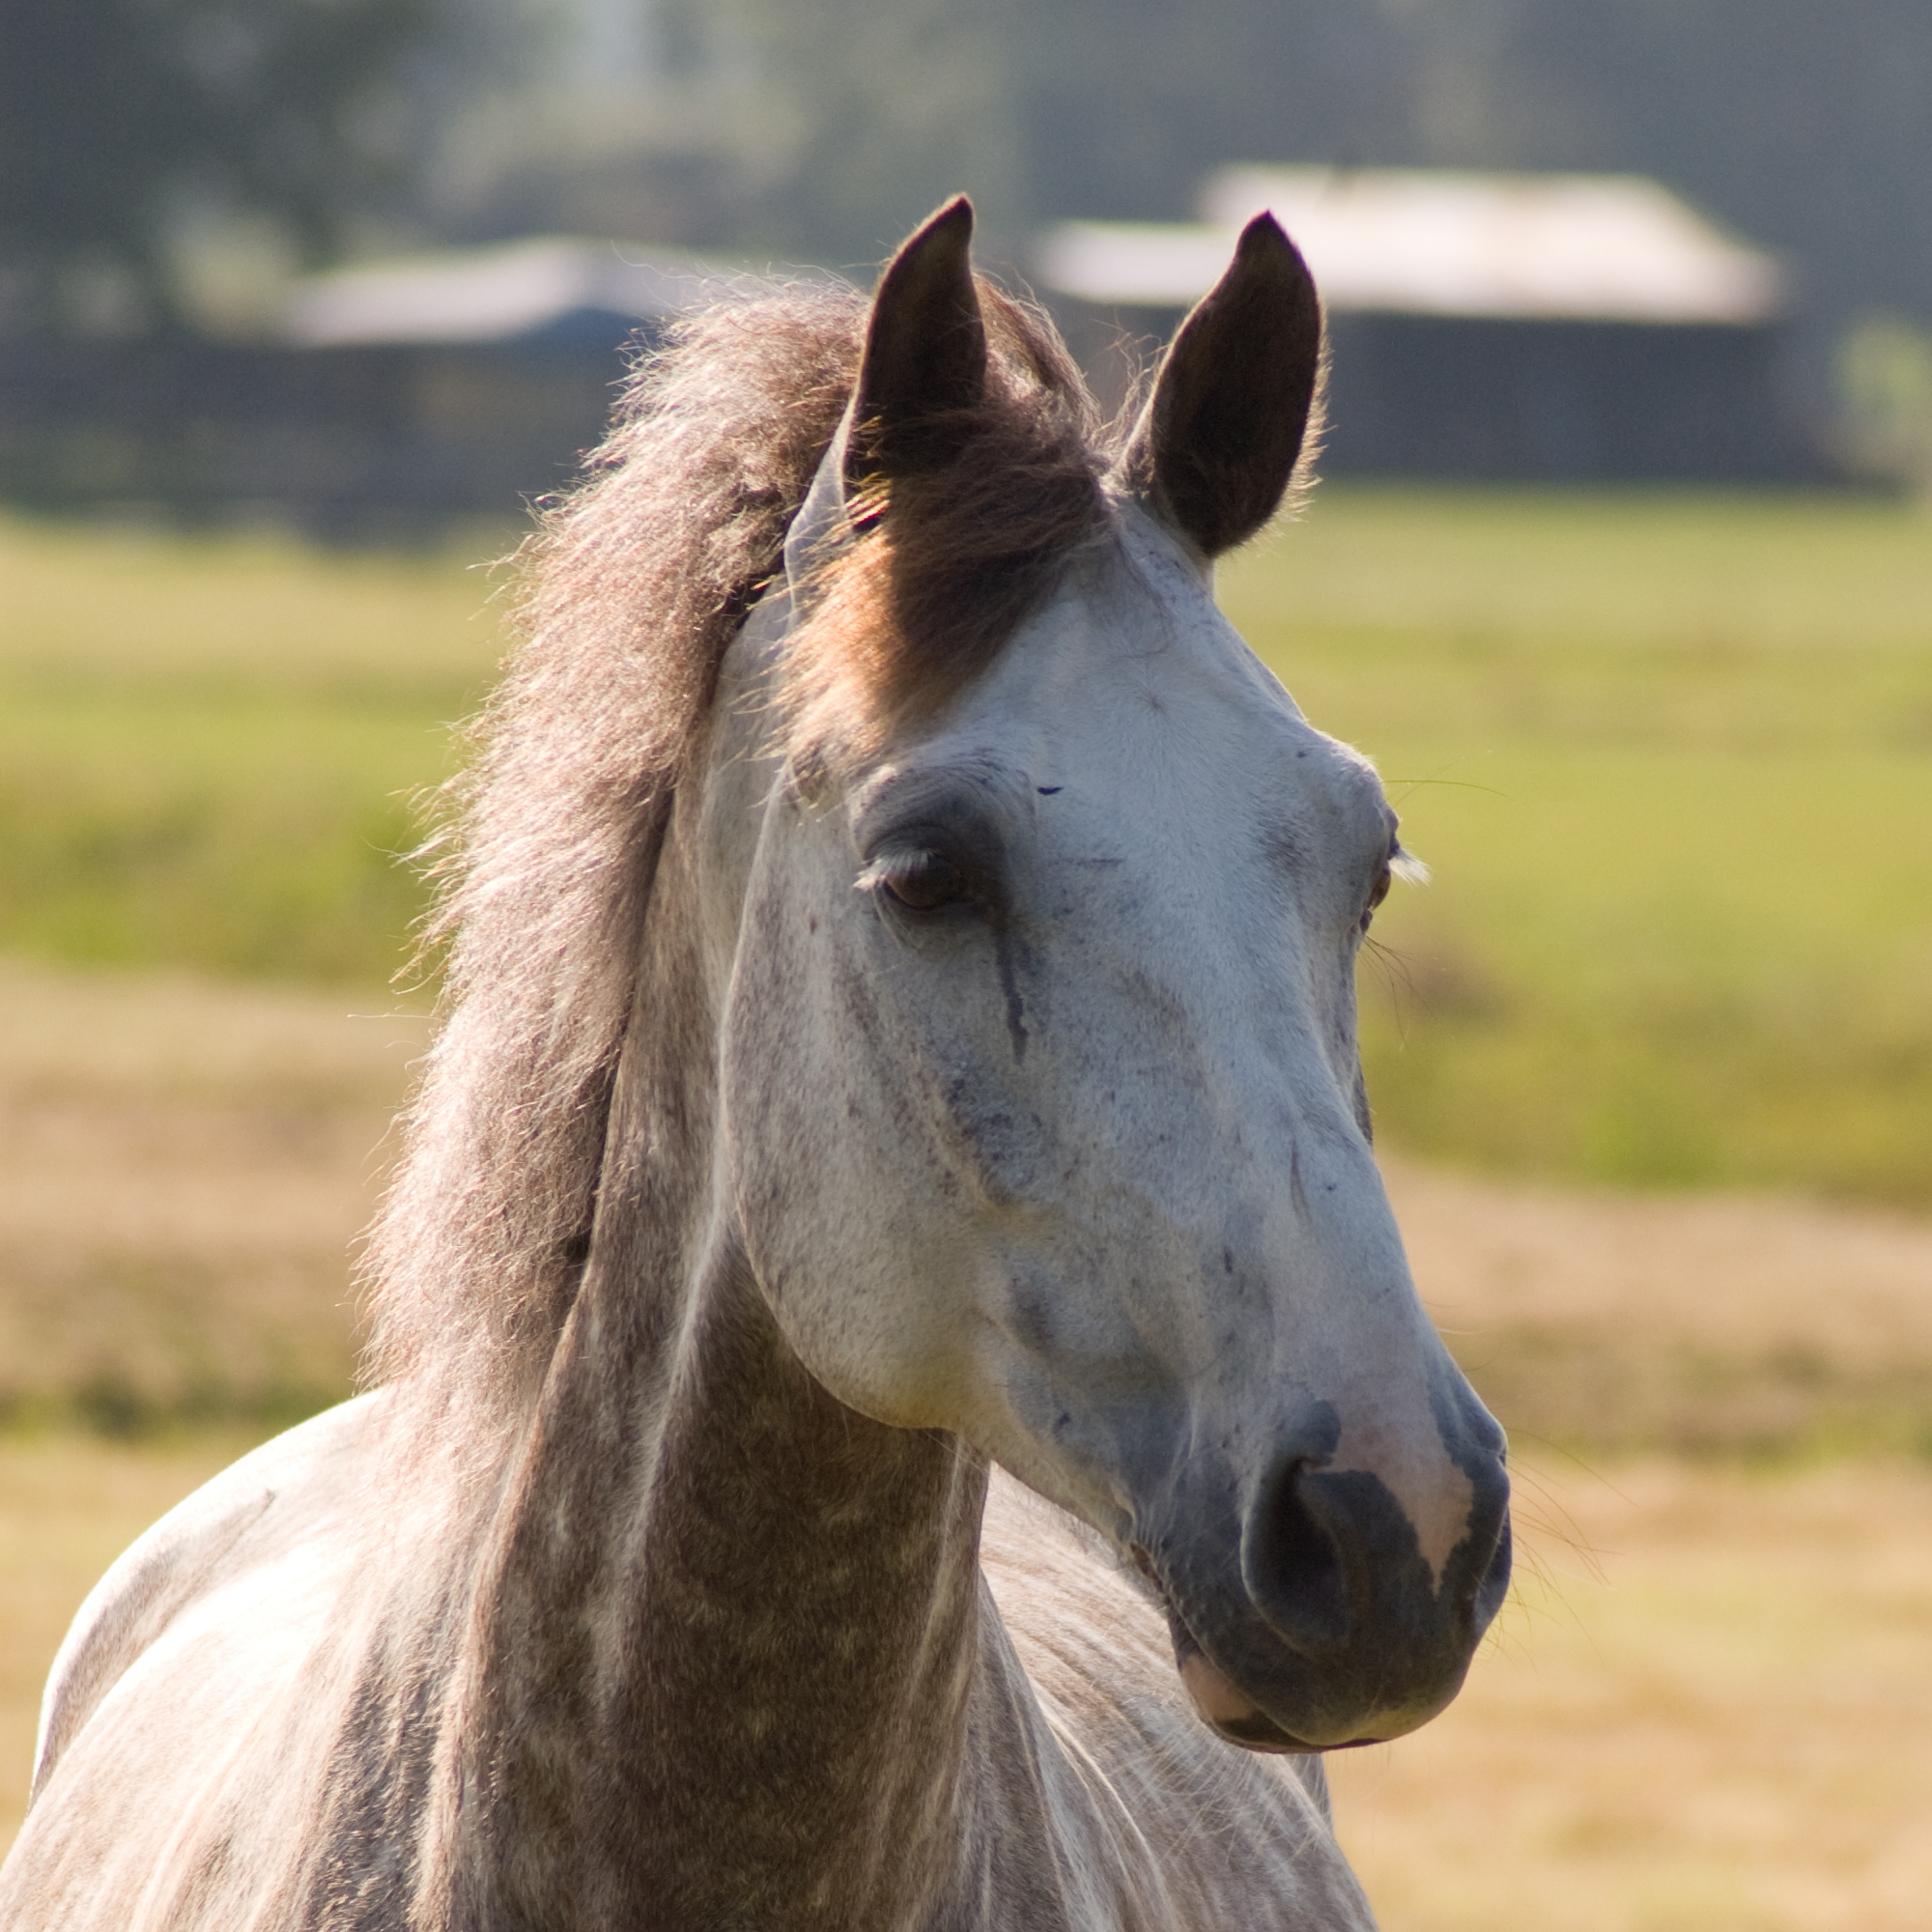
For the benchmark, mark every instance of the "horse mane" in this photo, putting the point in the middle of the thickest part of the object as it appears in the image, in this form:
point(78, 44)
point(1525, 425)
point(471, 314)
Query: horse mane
point(627, 596)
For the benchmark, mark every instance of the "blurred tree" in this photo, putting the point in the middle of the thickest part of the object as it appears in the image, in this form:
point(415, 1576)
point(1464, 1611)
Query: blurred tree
point(1885, 377)
point(889, 108)
point(113, 113)
point(820, 129)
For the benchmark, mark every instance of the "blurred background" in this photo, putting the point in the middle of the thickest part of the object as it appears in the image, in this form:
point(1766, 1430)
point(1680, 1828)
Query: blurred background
point(1738, 288)
point(1621, 569)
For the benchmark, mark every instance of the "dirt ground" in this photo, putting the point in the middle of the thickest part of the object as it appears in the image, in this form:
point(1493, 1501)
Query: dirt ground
point(186, 1166)
point(1707, 1705)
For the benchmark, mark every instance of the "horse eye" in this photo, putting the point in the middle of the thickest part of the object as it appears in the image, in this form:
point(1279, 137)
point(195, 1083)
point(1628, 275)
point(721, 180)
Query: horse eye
point(1378, 892)
point(923, 882)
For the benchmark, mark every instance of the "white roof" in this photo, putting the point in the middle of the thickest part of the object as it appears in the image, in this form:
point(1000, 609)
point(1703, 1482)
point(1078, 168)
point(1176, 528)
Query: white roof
point(1602, 248)
point(495, 294)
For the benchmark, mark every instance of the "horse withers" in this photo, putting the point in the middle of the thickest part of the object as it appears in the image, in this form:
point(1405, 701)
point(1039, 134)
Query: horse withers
point(899, 1398)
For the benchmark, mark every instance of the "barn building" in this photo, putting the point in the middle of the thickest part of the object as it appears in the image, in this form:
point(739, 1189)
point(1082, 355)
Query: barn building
point(403, 394)
point(1483, 327)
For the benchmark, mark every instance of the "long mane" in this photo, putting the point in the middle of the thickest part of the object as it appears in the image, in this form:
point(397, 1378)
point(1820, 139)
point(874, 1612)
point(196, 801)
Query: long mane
point(628, 593)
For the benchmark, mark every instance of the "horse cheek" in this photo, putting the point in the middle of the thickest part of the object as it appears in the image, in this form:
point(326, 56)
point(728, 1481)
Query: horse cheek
point(828, 1185)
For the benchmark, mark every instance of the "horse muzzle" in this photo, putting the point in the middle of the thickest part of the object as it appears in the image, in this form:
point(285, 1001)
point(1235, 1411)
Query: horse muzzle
point(1304, 1614)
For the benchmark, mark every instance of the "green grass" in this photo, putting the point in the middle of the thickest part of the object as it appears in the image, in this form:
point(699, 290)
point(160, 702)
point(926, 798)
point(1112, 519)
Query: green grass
point(1671, 758)
point(206, 747)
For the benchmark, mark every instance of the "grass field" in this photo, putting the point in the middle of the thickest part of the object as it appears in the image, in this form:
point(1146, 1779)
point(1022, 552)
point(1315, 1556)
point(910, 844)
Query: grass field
point(188, 1165)
point(205, 746)
point(1671, 758)
point(189, 1160)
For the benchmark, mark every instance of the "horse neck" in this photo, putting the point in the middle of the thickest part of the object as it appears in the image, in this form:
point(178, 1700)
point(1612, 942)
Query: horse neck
point(726, 1635)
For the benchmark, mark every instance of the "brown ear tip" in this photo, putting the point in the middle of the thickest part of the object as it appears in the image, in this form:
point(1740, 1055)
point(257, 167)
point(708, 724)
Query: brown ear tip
point(1265, 238)
point(939, 247)
point(1267, 258)
point(953, 218)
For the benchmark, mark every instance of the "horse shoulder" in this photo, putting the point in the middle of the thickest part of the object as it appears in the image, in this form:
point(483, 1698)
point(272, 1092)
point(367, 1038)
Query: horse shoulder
point(253, 1514)
point(166, 1723)
point(1192, 1831)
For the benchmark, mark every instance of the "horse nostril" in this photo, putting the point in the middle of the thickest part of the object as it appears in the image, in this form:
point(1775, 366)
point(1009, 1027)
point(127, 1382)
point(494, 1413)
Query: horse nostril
point(1292, 1567)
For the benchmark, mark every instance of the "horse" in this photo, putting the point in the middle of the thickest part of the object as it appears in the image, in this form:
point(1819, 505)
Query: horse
point(897, 1398)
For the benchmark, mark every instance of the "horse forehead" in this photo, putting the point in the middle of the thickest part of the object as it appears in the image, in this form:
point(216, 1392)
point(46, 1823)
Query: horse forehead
point(1131, 673)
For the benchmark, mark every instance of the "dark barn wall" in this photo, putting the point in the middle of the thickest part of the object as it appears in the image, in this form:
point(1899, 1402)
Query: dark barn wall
point(1509, 400)
point(1476, 399)
point(390, 442)
point(353, 443)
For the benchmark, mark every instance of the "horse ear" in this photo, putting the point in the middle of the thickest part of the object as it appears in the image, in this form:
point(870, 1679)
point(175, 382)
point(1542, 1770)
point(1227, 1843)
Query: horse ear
point(924, 365)
point(1217, 444)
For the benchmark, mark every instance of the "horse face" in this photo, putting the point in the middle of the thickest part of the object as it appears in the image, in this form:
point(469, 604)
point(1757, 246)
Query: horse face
point(1042, 1119)
point(1044, 1125)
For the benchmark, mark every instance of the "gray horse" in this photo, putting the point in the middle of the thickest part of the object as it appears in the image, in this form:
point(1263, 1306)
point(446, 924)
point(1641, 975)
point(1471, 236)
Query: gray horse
point(899, 1402)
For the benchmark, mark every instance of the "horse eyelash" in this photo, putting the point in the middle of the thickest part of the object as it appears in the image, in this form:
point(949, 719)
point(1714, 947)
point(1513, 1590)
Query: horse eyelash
point(1408, 867)
point(872, 878)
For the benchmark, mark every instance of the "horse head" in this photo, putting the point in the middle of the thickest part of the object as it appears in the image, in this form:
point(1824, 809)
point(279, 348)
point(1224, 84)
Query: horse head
point(1042, 1119)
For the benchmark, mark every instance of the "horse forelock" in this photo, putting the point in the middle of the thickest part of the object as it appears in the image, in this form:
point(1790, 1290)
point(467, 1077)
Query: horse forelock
point(629, 592)
point(948, 561)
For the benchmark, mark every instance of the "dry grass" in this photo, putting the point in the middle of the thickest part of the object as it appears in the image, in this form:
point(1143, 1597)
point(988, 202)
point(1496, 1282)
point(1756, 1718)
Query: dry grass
point(1708, 1708)
point(186, 1166)
point(1700, 1324)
